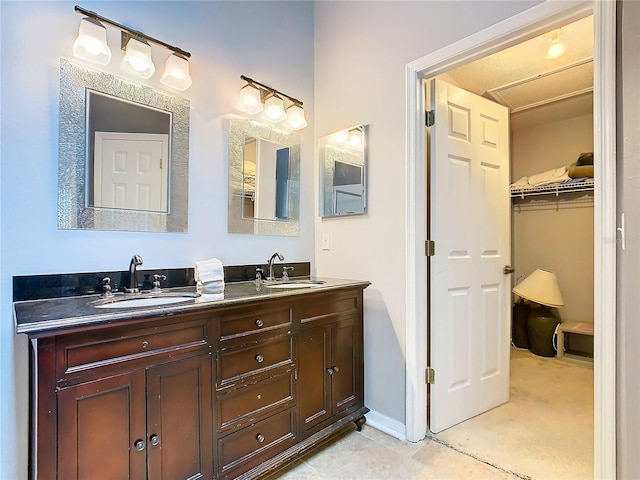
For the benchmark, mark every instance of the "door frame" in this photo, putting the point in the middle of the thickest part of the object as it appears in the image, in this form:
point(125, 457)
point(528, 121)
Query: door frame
point(528, 24)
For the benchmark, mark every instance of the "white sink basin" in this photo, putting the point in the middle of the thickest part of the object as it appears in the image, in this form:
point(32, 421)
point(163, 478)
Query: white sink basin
point(146, 301)
point(300, 284)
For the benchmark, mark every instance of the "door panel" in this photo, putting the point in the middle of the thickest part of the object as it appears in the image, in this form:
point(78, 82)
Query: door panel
point(470, 222)
point(344, 387)
point(313, 361)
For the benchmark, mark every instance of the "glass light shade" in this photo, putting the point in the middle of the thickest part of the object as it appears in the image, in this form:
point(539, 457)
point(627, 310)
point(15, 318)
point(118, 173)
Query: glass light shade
point(295, 117)
point(340, 137)
point(554, 47)
point(355, 138)
point(137, 59)
point(176, 73)
point(274, 109)
point(91, 43)
point(249, 100)
point(540, 287)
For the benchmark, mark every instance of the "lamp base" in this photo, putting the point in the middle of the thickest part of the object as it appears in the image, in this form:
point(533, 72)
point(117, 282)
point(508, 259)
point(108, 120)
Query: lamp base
point(519, 335)
point(541, 325)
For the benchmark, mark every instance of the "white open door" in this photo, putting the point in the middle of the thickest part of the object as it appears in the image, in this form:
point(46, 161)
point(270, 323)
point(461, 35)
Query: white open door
point(131, 171)
point(470, 300)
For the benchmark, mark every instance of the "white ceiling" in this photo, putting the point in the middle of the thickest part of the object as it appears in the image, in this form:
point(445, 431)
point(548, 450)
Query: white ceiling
point(521, 78)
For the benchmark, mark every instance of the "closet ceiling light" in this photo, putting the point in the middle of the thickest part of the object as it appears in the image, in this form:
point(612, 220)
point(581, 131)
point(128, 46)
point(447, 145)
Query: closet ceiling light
point(554, 47)
point(295, 117)
point(274, 109)
point(176, 73)
point(91, 43)
point(249, 100)
point(137, 59)
point(257, 97)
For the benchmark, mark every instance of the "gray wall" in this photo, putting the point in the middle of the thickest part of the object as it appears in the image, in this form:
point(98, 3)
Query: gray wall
point(628, 327)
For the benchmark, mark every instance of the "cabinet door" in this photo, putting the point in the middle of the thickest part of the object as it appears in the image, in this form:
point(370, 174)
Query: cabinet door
point(179, 420)
point(99, 424)
point(313, 379)
point(346, 363)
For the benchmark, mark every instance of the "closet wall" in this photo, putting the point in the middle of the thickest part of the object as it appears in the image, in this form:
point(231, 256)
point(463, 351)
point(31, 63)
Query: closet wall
point(549, 232)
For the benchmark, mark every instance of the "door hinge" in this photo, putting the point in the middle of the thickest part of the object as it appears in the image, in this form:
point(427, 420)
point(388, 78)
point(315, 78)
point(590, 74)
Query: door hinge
point(430, 376)
point(429, 248)
point(160, 164)
point(430, 118)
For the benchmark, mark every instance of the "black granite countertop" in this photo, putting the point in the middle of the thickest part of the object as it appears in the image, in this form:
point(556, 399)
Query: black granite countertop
point(37, 317)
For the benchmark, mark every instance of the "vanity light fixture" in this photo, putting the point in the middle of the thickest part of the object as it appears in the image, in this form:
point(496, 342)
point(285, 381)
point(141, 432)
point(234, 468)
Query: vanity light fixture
point(356, 137)
point(91, 45)
point(554, 47)
point(256, 97)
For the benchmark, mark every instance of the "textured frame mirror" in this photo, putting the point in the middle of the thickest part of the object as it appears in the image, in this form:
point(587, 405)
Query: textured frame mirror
point(343, 172)
point(74, 211)
point(242, 190)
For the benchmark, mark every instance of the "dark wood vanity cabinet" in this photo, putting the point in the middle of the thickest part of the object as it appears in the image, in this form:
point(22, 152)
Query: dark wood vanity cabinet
point(228, 392)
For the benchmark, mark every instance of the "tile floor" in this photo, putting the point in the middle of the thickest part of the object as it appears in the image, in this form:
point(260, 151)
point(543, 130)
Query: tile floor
point(544, 432)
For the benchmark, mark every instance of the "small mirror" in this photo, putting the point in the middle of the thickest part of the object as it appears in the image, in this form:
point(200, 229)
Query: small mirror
point(264, 178)
point(343, 170)
point(123, 154)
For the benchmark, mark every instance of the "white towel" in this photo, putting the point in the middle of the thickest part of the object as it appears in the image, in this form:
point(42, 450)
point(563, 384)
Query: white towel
point(207, 271)
point(550, 176)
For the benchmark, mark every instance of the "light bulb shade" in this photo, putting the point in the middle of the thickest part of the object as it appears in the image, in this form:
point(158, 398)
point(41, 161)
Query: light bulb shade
point(176, 73)
point(295, 117)
point(91, 43)
point(554, 46)
point(355, 138)
point(540, 287)
point(137, 59)
point(274, 109)
point(340, 137)
point(249, 100)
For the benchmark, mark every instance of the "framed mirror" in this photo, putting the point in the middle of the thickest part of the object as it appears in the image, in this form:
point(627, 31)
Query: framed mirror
point(343, 172)
point(123, 154)
point(264, 178)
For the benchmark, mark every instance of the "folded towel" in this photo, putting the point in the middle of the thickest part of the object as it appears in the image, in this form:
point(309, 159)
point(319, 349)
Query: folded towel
point(585, 159)
point(577, 171)
point(209, 271)
point(209, 288)
point(521, 183)
point(550, 176)
point(209, 297)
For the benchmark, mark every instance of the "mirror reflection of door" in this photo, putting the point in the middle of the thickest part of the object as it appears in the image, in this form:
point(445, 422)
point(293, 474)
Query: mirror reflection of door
point(265, 180)
point(131, 171)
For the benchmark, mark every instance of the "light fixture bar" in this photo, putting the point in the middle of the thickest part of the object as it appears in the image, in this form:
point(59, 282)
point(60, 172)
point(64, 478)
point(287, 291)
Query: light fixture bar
point(269, 89)
point(135, 33)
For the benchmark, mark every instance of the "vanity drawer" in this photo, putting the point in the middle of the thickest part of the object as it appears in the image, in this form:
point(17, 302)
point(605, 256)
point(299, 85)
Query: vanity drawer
point(329, 306)
point(79, 353)
point(246, 404)
point(252, 320)
point(247, 447)
point(239, 362)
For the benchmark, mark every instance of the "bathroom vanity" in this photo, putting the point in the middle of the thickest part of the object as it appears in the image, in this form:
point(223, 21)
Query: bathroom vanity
point(205, 388)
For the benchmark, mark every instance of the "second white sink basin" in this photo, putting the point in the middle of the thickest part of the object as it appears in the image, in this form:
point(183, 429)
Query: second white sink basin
point(146, 301)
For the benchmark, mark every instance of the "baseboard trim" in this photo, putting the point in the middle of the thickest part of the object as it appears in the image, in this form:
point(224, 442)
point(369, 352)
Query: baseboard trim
point(387, 425)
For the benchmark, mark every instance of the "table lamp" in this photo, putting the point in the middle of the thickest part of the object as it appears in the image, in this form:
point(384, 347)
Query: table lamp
point(542, 290)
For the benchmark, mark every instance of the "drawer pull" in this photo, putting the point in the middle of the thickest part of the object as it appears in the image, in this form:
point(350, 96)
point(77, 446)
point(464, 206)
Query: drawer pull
point(260, 437)
point(259, 358)
point(330, 371)
point(154, 439)
point(335, 369)
point(139, 445)
point(259, 397)
point(259, 323)
point(145, 344)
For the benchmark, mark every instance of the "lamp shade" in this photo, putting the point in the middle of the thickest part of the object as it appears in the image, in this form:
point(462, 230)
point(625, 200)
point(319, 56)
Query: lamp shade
point(91, 43)
point(137, 59)
point(295, 117)
point(176, 73)
point(540, 287)
point(249, 100)
point(274, 109)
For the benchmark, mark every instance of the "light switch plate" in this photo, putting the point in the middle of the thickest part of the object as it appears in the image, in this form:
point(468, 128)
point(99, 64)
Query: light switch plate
point(326, 242)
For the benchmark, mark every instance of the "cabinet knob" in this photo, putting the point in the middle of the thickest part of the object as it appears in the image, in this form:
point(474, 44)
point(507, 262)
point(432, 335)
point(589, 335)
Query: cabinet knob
point(154, 439)
point(260, 437)
point(330, 371)
point(139, 445)
point(145, 344)
point(259, 358)
point(259, 323)
point(335, 369)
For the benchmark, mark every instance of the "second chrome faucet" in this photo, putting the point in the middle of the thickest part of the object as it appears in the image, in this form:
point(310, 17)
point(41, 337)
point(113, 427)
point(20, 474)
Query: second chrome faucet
point(271, 261)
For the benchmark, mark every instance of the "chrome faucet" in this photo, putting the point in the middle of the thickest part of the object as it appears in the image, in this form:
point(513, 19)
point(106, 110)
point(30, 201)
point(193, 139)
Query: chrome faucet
point(136, 261)
point(271, 260)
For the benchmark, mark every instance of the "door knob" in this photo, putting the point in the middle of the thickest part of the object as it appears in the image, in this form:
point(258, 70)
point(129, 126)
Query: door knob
point(154, 439)
point(507, 269)
point(139, 445)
